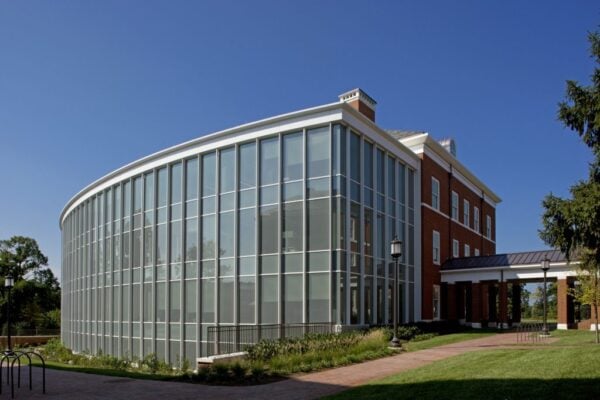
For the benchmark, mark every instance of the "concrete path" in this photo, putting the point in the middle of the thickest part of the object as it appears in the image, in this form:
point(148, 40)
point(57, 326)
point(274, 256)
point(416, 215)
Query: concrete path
point(76, 386)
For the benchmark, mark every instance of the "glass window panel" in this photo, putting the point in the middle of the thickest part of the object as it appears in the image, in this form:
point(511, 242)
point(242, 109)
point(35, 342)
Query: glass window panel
point(292, 156)
point(368, 232)
point(190, 301)
point(292, 191)
point(227, 173)
point(247, 167)
point(355, 228)
point(247, 265)
point(269, 264)
point(269, 194)
point(318, 152)
point(318, 261)
point(318, 187)
point(226, 234)
point(382, 245)
point(191, 208)
point(401, 184)
point(269, 296)
point(318, 297)
point(117, 193)
point(191, 239)
point(148, 191)
point(355, 157)
point(208, 300)
point(176, 271)
point(247, 231)
point(208, 237)
point(380, 171)
point(191, 270)
point(137, 195)
point(292, 292)
point(411, 188)
point(292, 235)
point(269, 161)
point(175, 302)
point(248, 198)
point(208, 269)
point(126, 201)
point(191, 179)
point(208, 174)
point(148, 304)
point(227, 202)
point(176, 183)
point(136, 302)
point(208, 205)
point(227, 267)
point(176, 242)
point(339, 150)
point(225, 300)
point(318, 224)
point(176, 211)
point(268, 229)
point(292, 263)
point(391, 174)
point(247, 303)
point(161, 215)
point(125, 304)
point(368, 164)
point(162, 187)
point(161, 244)
point(148, 246)
point(137, 248)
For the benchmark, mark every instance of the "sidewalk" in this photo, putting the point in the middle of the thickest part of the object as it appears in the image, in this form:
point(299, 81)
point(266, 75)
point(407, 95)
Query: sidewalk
point(73, 385)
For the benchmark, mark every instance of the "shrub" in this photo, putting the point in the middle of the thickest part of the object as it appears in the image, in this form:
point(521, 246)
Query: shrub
point(238, 371)
point(423, 336)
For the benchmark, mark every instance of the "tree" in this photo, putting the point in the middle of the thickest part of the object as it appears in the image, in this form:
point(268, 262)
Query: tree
point(573, 225)
point(19, 256)
point(36, 292)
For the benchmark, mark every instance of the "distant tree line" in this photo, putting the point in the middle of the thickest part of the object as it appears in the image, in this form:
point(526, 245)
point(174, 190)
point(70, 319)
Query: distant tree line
point(35, 303)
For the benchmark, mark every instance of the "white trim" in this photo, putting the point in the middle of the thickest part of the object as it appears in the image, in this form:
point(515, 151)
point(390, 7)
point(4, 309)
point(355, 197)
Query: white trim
point(423, 143)
point(559, 270)
point(562, 326)
point(296, 120)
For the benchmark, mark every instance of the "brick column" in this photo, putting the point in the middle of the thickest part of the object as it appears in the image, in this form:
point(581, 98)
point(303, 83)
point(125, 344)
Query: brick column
point(475, 299)
point(565, 311)
point(451, 302)
point(484, 288)
point(503, 300)
point(516, 303)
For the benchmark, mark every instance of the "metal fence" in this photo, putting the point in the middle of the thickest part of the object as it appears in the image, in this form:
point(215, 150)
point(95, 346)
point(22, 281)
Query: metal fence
point(531, 332)
point(235, 338)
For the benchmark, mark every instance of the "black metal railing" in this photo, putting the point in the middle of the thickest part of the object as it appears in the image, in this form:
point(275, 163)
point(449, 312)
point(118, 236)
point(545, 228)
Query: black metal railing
point(235, 338)
point(532, 332)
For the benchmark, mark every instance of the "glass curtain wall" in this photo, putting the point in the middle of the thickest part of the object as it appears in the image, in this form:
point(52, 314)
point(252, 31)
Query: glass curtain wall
point(290, 228)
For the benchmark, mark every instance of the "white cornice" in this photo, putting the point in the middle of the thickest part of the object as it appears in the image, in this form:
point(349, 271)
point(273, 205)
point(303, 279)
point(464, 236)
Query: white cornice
point(424, 143)
point(285, 122)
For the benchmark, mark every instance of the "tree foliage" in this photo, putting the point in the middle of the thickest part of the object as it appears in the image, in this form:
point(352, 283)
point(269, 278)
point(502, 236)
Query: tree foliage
point(573, 224)
point(36, 292)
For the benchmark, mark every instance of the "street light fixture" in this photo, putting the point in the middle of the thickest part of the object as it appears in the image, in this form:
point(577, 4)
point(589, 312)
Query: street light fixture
point(545, 268)
point(9, 282)
point(395, 252)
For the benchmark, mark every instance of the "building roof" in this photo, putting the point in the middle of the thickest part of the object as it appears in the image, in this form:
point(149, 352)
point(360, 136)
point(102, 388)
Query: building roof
point(402, 134)
point(504, 260)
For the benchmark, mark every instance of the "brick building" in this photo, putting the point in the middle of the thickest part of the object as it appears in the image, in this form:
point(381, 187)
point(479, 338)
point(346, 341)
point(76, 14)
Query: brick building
point(458, 214)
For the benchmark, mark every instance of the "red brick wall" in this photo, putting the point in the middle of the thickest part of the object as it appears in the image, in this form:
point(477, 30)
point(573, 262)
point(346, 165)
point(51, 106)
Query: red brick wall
point(439, 221)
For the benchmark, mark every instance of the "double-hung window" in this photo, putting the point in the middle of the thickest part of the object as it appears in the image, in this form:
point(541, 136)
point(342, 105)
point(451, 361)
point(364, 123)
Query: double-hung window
point(435, 193)
point(454, 206)
point(436, 247)
point(466, 213)
point(455, 248)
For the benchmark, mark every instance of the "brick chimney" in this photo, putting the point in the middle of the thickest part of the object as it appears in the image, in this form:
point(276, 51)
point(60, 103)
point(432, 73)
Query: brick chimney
point(360, 101)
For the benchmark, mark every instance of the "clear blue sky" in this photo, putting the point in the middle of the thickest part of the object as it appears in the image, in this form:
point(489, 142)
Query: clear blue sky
point(86, 87)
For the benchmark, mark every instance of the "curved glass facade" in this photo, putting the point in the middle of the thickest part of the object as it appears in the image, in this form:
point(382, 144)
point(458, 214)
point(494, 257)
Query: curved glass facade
point(291, 227)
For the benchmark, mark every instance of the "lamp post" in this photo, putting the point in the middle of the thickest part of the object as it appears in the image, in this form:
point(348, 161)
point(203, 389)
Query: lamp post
point(545, 268)
point(395, 252)
point(9, 282)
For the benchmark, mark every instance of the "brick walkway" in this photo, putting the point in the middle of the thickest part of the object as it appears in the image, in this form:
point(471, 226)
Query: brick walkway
point(72, 385)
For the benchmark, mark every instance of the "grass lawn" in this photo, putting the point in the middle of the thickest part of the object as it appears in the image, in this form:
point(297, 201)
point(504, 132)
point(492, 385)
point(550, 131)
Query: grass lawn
point(446, 339)
point(567, 369)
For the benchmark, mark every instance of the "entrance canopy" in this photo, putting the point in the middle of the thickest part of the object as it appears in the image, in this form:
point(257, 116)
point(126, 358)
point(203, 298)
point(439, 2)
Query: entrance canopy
point(511, 266)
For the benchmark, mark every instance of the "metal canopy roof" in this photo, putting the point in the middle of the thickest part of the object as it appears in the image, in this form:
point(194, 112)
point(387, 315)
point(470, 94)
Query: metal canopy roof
point(504, 260)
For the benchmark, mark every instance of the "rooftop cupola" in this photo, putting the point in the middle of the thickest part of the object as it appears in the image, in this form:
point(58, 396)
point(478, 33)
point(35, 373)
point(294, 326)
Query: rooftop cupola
point(361, 102)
